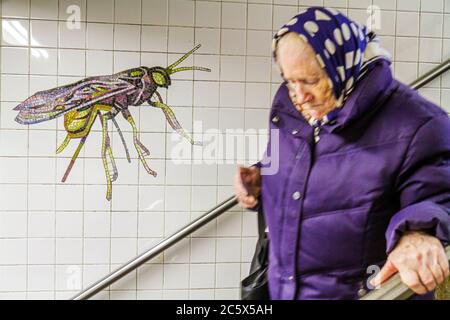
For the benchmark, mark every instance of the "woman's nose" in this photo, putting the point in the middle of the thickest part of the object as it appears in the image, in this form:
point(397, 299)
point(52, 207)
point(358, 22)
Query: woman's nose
point(302, 95)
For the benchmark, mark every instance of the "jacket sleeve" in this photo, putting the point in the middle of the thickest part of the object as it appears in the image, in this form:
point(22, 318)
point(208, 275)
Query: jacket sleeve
point(423, 184)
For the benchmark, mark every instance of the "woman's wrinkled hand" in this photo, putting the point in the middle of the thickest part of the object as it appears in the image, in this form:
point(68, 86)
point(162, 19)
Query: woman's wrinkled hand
point(420, 260)
point(247, 186)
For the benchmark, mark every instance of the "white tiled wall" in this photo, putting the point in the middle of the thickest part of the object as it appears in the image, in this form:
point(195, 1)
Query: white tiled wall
point(56, 237)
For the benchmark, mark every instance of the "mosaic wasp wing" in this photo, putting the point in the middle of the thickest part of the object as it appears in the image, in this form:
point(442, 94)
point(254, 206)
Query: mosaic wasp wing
point(49, 104)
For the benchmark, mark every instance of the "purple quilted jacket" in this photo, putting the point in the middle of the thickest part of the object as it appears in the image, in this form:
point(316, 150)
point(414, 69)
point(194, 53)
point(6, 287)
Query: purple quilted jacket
point(338, 206)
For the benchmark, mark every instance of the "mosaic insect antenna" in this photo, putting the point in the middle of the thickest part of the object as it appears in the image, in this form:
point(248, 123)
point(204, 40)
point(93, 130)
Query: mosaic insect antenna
point(161, 76)
point(172, 68)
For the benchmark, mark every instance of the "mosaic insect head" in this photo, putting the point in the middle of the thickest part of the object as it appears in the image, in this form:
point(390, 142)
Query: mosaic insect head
point(160, 76)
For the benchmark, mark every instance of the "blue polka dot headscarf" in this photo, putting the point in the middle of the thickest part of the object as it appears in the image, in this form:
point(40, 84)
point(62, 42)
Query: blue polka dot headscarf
point(344, 48)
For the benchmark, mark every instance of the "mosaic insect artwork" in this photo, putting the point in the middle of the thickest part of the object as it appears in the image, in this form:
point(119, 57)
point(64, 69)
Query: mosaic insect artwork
point(104, 97)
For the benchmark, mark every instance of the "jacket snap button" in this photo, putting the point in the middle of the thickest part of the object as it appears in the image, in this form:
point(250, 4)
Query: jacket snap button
point(294, 132)
point(276, 119)
point(296, 195)
point(291, 278)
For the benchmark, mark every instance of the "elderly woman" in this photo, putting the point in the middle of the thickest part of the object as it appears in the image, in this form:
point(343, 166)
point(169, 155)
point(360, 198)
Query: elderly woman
point(364, 168)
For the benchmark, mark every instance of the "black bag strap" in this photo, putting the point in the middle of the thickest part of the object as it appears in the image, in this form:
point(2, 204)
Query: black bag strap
point(261, 222)
point(263, 240)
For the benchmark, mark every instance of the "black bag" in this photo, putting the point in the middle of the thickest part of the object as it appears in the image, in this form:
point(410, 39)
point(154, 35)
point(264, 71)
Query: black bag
point(255, 286)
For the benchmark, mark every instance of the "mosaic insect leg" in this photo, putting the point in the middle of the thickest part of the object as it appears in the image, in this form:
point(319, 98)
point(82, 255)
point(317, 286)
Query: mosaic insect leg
point(170, 117)
point(74, 157)
point(106, 150)
point(73, 131)
point(63, 144)
point(118, 107)
point(137, 144)
point(143, 148)
point(122, 138)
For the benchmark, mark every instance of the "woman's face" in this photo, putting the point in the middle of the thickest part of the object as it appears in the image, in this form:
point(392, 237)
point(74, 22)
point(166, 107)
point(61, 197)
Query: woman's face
point(308, 83)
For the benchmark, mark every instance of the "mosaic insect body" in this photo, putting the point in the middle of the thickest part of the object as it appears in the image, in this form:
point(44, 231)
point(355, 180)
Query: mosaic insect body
point(104, 97)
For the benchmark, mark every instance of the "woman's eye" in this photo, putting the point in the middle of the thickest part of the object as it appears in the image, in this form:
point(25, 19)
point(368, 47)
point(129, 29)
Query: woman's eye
point(311, 82)
point(305, 82)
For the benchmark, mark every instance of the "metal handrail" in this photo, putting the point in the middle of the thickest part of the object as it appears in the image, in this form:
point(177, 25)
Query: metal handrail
point(157, 249)
point(430, 75)
point(222, 208)
point(394, 288)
